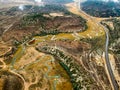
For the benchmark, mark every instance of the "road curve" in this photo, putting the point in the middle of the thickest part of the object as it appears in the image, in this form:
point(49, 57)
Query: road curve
point(114, 83)
point(109, 69)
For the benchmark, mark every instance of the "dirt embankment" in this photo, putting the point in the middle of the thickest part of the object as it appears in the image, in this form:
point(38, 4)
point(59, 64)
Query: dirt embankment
point(65, 24)
point(90, 62)
point(76, 48)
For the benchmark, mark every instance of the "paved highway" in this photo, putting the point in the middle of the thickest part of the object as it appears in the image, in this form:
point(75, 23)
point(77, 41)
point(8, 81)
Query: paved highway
point(97, 25)
point(109, 69)
point(111, 75)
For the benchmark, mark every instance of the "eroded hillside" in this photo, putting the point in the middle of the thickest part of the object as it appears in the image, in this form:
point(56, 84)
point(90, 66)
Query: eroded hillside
point(51, 48)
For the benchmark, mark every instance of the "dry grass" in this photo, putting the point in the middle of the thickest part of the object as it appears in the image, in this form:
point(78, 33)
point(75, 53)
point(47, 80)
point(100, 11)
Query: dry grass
point(34, 61)
point(93, 29)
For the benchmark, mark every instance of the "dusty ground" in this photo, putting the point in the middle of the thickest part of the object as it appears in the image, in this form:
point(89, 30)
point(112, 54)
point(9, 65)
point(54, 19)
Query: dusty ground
point(34, 61)
point(114, 68)
point(33, 66)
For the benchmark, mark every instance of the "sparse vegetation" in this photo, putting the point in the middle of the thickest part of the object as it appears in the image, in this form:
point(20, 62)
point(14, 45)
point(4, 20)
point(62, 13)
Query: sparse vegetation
point(114, 45)
point(11, 81)
point(79, 78)
point(97, 43)
point(114, 34)
point(101, 9)
point(67, 58)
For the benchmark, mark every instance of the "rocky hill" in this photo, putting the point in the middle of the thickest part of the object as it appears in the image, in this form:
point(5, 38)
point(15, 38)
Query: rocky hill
point(39, 21)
